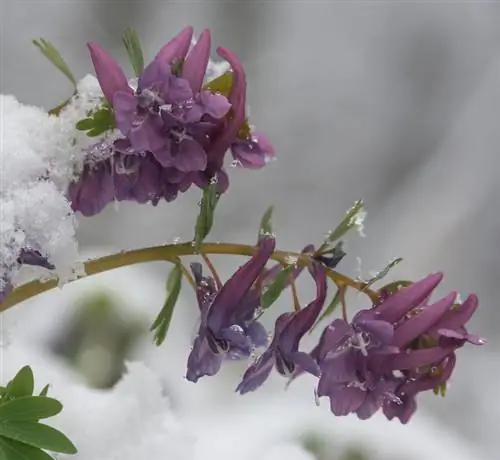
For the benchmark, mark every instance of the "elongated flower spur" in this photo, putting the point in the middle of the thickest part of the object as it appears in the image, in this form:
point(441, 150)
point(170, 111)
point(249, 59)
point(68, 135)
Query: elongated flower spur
point(151, 138)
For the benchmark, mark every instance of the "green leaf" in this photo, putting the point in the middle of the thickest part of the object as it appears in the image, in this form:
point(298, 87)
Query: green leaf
point(45, 390)
point(205, 217)
point(51, 53)
point(346, 224)
point(85, 124)
point(23, 384)
point(330, 309)
point(98, 122)
point(266, 227)
point(274, 290)
point(14, 450)
point(134, 50)
point(382, 273)
point(162, 321)
point(37, 435)
point(29, 408)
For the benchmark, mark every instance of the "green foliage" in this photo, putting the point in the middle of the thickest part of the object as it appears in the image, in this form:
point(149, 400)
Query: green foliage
point(22, 436)
point(162, 322)
point(383, 273)
point(266, 227)
point(134, 50)
point(274, 290)
point(205, 219)
point(343, 227)
point(98, 122)
point(51, 53)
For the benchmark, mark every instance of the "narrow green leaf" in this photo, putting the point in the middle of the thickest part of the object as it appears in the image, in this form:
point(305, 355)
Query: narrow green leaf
point(51, 53)
point(37, 435)
point(266, 227)
point(85, 124)
point(274, 290)
point(29, 408)
point(205, 217)
point(346, 224)
point(23, 384)
point(162, 321)
point(14, 450)
point(330, 309)
point(45, 390)
point(134, 50)
point(382, 273)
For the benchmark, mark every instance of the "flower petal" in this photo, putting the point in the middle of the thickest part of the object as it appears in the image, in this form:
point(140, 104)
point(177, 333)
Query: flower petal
point(303, 320)
point(339, 368)
point(109, 74)
point(202, 360)
point(237, 99)
point(397, 305)
point(257, 373)
point(422, 321)
point(156, 74)
point(402, 410)
point(458, 316)
point(195, 65)
point(305, 362)
point(345, 400)
point(190, 157)
point(415, 358)
point(125, 105)
point(177, 48)
point(237, 287)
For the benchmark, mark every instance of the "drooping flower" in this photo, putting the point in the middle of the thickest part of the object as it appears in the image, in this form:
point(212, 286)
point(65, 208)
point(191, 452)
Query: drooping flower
point(393, 351)
point(227, 328)
point(283, 352)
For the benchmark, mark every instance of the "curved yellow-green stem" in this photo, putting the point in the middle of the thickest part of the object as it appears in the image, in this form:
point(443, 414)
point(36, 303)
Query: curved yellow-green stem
point(171, 253)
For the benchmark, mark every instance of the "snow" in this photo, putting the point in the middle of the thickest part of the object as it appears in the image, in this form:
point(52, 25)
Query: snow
point(39, 156)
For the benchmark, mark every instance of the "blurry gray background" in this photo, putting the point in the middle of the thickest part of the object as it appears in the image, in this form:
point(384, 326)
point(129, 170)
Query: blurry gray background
point(397, 103)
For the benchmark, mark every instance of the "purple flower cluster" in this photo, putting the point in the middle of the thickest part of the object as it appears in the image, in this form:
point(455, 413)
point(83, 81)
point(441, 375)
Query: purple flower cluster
point(382, 359)
point(174, 131)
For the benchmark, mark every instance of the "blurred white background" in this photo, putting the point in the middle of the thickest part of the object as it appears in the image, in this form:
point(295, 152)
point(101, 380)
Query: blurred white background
point(397, 103)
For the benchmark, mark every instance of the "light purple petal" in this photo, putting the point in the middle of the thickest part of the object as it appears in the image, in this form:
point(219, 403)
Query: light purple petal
point(156, 75)
point(237, 99)
point(254, 153)
point(460, 315)
point(403, 411)
point(202, 360)
point(178, 91)
point(333, 336)
point(415, 358)
point(394, 307)
point(381, 331)
point(109, 74)
point(345, 400)
point(258, 334)
point(190, 157)
point(195, 65)
point(125, 105)
point(236, 338)
point(339, 368)
point(422, 321)
point(305, 363)
point(257, 373)
point(215, 105)
point(303, 320)
point(146, 135)
point(177, 48)
point(427, 382)
point(237, 287)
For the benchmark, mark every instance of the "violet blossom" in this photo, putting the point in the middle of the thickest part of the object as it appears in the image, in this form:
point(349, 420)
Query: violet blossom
point(390, 353)
point(176, 130)
point(227, 326)
point(283, 352)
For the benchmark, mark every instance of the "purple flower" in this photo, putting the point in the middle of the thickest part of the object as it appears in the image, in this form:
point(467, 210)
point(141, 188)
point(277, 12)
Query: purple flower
point(283, 353)
point(109, 74)
point(388, 354)
point(177, 48)
point(227, 327)
point(254, 153)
